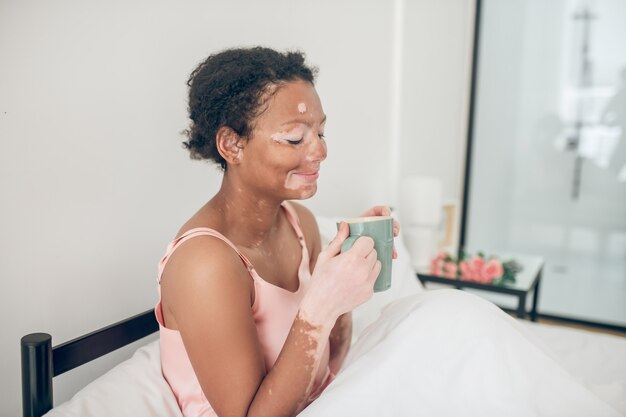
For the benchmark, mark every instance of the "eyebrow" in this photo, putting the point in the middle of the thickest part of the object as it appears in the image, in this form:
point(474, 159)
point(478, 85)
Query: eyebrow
point(302, 121)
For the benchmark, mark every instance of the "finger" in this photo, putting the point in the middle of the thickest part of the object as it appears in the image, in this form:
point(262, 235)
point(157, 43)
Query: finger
point(396, 228)
point(334, 247)
point(363, 246)
point(375, 271)
point(370, 258)
point(377, 211)
point(369, 212)
point(394, 254)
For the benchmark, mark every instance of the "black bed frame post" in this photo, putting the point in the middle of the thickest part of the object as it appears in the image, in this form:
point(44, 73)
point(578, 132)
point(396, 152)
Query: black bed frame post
point(37, 374)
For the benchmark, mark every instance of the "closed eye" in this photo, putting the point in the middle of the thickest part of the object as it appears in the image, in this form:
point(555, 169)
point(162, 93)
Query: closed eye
point(294, 141)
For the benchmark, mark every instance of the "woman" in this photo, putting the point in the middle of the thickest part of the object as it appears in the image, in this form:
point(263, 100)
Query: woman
point(255, 318)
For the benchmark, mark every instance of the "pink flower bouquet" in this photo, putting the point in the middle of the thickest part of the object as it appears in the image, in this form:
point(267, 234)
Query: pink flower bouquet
point(476, 268)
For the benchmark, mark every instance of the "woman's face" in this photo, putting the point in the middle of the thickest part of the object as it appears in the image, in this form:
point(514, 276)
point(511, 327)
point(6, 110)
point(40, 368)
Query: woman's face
point(284, 152)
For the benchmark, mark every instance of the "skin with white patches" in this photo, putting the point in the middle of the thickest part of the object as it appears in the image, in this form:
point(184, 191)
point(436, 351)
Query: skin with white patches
point(296, 145)
point(296, 181)
point(239, 155)
point(308, 339)
point(285, 136)
point(204, 279)
point(298, 178)
point(301, 108)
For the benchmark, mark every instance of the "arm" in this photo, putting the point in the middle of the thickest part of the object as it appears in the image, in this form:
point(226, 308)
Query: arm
point(339, 342)
point(210, 306)
point(341, 334)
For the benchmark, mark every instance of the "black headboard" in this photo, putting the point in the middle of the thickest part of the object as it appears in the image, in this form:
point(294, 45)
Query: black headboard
point(41, 362)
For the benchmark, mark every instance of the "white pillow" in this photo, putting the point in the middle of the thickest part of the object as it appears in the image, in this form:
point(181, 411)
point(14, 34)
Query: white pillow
point(135, 387)
point(403, 279)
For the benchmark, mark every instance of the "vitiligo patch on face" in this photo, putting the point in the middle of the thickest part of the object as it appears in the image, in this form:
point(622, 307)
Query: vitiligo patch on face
point(302, 108)
point(292, 182)
point(295, 181)
point(285, 137)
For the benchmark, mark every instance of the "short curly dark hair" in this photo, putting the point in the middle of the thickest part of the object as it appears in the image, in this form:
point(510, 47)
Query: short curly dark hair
point(229, 89)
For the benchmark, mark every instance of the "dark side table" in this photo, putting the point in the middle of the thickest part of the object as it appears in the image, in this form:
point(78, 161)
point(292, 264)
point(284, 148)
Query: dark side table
point(526, 281)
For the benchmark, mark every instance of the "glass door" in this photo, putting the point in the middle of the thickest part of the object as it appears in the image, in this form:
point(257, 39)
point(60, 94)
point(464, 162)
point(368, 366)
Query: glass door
point(548, 149)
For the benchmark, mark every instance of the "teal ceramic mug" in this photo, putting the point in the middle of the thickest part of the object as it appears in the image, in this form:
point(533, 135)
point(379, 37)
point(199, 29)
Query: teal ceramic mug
point(379, 228)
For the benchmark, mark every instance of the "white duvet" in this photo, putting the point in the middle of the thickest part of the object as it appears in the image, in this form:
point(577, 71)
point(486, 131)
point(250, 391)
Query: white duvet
point(450, 353)
point(435, 353)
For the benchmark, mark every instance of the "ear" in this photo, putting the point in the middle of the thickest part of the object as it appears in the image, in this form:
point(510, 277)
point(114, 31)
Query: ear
point(229, 145)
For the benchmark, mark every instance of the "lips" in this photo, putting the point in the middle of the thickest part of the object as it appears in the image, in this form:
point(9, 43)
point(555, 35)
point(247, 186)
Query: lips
point(313, 175)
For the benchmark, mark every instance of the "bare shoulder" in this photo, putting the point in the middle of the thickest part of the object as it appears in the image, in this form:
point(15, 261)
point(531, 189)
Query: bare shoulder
point(202, 270)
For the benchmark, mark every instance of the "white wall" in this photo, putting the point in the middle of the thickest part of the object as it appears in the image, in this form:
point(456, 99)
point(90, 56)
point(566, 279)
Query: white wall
point(437, 47)
point(93, 179)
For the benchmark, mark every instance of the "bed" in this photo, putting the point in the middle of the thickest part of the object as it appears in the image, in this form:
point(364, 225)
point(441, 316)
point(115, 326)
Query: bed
point(136, 387)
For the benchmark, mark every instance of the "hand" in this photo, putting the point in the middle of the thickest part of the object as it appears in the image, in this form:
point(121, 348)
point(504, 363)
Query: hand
point(341, 281)
point(384, 211)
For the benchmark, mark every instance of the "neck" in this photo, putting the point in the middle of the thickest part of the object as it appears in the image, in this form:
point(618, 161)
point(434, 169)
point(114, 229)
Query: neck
point(249, 218)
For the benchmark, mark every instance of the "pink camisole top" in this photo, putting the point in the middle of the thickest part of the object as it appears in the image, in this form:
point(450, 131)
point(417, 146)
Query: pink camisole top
point(274, 310)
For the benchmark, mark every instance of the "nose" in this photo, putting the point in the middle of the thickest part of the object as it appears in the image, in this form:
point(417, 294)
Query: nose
point(317, 149)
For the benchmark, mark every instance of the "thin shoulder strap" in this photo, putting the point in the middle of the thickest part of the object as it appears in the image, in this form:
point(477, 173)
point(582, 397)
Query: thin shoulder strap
point(292, 217)
point(190, 234)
